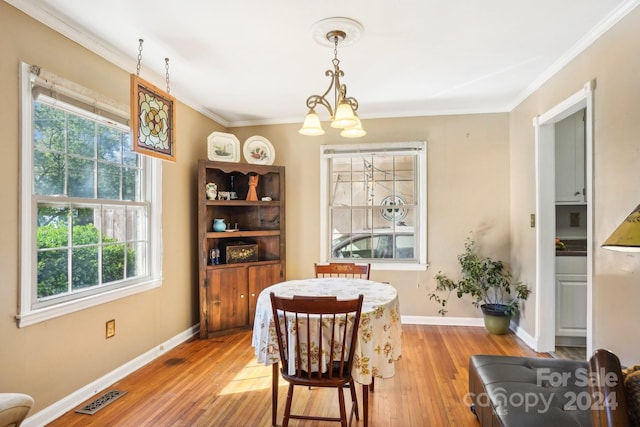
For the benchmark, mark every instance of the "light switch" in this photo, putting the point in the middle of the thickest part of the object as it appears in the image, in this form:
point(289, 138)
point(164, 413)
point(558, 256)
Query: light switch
point(574, 219)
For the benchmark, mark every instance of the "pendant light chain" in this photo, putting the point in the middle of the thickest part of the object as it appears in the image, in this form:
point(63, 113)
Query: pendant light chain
point(139, 57)
point(337, 92)
point(166, 66)
point(336, 61)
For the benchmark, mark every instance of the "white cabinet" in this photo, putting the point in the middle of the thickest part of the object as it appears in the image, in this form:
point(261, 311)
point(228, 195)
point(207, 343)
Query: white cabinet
point(570, 159)
point(571, 296)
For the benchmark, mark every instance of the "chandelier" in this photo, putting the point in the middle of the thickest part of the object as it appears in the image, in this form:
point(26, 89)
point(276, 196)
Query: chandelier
point(343, 112)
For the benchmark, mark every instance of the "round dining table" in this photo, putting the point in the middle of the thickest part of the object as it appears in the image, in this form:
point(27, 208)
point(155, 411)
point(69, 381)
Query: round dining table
point(379, 341)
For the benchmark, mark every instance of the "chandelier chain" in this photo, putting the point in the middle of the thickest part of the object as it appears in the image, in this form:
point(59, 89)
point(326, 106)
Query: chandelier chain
point(336, 61)
point(166, 66)
point(139, 57)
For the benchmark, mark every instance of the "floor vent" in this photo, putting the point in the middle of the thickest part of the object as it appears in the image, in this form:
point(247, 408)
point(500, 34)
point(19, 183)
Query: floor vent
point(102, 401)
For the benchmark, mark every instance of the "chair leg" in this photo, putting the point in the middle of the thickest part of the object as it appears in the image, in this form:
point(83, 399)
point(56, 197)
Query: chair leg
point(354, 399)
point(275, 375)
point(343, 409)
point(372, 385)
point(365, 404)
point(287, 407)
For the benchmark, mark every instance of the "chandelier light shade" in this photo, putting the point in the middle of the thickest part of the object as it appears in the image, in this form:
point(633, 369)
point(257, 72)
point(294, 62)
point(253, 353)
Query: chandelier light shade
point(311, 124)
point(626, 238)
point(343, 111)
point(354, 131)
point(344, 117)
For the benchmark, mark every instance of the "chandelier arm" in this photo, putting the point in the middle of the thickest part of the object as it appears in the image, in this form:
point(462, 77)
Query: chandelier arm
point(314, 100)
point(339, 90)
point(353, 102)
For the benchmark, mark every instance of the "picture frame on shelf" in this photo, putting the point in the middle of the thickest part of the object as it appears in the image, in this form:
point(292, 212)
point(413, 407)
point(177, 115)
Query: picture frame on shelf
point(152, 120)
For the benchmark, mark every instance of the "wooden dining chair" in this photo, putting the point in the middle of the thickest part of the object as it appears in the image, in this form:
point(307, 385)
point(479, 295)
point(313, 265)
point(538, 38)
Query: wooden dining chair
point(343, 269)
point(331, 325)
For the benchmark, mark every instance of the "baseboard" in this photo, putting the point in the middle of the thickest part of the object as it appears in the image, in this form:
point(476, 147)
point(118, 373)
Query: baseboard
point(523, 335)
point(465, 321)
point(73, 400)
point(442, 320)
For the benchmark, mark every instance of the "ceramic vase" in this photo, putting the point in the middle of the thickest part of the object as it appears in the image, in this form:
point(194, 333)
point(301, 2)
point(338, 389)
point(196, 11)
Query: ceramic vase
point(219, 224)
point(211, 190)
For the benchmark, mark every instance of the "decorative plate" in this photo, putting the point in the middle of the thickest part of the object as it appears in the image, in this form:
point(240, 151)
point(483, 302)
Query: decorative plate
point(393, 208)
point(223, 147)
point(258, 150)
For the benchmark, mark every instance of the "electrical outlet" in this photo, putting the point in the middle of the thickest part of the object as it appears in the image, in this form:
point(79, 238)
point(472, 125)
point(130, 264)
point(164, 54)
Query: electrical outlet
point(111, 328)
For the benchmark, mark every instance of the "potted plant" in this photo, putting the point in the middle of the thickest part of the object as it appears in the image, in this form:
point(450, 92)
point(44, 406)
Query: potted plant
point(489, 283)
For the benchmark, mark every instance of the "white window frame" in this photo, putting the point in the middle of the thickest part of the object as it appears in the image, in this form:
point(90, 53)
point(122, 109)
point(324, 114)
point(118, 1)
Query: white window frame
point(29, 312)
point(418, 148)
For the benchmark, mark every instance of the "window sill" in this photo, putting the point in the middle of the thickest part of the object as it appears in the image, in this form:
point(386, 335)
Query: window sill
point(399, 266)
point(31, 317)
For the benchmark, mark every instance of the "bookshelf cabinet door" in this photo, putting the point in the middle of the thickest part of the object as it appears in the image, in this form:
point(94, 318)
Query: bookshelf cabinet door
point(261, 277)
point(227, 299)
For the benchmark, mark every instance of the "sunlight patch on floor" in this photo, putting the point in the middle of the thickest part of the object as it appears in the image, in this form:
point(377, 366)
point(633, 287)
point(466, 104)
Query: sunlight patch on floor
point(253, 376)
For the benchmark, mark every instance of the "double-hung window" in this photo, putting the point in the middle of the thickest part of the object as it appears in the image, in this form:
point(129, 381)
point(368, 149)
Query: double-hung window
point(374, 204)
point(90, 219)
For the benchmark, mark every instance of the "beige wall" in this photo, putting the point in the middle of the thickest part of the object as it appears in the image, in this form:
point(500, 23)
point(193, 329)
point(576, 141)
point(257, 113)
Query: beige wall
point(468, 191)
point(481, 180)
point(614, 62)
point(51, 359)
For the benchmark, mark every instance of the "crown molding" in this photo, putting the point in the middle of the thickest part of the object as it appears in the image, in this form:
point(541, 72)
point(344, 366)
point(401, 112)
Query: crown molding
point(38, 10)
point(605, 25)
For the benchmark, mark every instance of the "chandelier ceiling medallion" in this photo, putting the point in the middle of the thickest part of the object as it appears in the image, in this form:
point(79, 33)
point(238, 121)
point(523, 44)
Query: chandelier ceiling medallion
point(331, 32)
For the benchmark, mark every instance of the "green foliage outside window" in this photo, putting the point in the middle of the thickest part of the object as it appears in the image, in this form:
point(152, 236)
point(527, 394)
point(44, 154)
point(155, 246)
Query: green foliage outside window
point(77, 157)
point(53, 263)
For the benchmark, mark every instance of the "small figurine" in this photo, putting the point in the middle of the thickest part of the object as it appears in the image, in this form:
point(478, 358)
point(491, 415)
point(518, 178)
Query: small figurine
point(253, 183)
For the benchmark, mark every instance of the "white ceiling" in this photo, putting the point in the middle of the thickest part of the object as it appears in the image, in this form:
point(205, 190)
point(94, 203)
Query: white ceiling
point(244, 62)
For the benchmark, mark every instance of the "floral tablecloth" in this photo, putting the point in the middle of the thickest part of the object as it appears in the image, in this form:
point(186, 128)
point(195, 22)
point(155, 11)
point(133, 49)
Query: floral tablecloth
point(379, 342)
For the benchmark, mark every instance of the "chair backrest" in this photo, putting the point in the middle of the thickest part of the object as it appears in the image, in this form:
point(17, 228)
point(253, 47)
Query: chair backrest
point(606, 386)
point(343, 269)
point(327, 323)
point(14, 408)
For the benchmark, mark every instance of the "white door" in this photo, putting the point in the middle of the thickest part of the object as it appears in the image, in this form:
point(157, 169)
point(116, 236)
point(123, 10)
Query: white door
point(545, 287)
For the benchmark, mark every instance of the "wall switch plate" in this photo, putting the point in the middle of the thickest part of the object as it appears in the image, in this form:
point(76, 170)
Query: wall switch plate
point(111, 328)
point(574, 219)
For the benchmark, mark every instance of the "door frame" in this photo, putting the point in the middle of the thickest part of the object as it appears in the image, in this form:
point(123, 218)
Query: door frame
point(545, 298)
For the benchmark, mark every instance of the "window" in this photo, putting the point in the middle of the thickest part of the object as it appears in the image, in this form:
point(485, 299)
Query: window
point(374, 204)
point(89, 203)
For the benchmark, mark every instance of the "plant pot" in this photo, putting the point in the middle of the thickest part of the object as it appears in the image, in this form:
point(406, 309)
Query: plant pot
point(495, 319)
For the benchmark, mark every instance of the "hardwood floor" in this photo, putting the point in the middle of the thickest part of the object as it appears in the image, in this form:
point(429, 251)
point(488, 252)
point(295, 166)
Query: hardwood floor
point(571, 353)
point(217, 382)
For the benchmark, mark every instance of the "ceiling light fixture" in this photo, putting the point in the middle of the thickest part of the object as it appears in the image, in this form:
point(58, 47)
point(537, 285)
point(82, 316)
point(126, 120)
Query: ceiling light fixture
point(343, 112)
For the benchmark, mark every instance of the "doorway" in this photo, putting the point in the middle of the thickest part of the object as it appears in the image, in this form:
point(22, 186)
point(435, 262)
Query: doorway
point(545, 135)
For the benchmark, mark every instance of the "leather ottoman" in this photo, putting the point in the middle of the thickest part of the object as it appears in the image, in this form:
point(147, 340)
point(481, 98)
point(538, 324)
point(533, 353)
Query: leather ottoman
point(511, 391)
